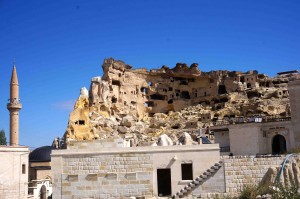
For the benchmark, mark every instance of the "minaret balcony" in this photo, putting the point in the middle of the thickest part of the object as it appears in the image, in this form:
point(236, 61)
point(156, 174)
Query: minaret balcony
point(14, 105)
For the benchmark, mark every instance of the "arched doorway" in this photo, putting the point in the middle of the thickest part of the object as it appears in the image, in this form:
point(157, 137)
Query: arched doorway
point(43, 192)
point(278, 144)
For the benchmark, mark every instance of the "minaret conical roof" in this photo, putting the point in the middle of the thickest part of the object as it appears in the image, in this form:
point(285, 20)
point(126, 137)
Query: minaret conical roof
point(14, 76)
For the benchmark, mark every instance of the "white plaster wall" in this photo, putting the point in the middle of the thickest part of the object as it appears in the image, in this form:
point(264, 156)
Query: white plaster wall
point(244, 139)
point(201, 160)
point(222, 138)
point(13, 184)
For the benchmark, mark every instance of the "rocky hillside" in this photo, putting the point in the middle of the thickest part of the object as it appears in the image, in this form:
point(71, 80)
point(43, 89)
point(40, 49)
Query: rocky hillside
point(141, 105)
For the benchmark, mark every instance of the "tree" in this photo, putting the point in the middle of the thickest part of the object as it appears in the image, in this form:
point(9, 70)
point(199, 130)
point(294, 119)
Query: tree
point(2, 137)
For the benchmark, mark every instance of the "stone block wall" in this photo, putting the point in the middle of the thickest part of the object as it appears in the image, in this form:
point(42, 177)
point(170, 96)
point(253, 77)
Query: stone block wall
point(105, 176)
point(96, 144)
point(247, 170)
point(13, 190)
point(13, 172)
point(87, 170)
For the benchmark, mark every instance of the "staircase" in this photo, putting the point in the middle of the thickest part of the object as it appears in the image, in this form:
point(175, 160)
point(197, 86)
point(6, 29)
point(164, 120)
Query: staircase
point(199, 180)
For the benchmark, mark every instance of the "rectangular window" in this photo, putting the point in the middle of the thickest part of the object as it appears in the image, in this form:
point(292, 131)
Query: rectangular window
point(187, 171)
point(23, 169)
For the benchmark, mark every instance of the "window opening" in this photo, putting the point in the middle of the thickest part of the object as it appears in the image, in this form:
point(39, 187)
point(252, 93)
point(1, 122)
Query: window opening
point(187, 171)
point(23, 169)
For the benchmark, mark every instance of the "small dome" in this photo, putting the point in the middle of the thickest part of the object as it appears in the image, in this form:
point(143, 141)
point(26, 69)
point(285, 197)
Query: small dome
point(41, 154)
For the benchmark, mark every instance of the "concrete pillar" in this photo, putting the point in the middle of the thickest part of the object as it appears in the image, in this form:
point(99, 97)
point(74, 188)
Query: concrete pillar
point(294, 94)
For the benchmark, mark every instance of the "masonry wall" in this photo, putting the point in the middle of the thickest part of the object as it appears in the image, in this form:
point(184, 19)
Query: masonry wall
point(241, 171)
point(107, 176)
point(13, 182)
point(123, 172)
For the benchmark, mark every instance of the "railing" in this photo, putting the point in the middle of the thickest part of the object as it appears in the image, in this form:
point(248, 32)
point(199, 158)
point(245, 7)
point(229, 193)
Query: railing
point(250, 120)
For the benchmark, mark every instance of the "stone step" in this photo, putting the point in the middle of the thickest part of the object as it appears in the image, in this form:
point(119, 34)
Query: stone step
point(215, 167)
point(199, 179)
point(207, 173)
point(211, 170)
point(196, 182)
point(203, 176)
point(184, 191)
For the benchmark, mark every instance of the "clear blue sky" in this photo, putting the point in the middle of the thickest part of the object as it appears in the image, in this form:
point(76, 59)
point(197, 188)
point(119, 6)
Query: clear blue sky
point(60, 45)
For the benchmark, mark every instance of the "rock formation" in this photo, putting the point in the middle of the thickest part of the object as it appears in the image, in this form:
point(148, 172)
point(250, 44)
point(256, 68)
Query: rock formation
point(147, 104)
point(290, 175)
point(79, 121)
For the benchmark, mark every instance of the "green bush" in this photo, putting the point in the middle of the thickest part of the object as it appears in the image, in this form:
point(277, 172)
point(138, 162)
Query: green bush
point(280, 192)
point(277, 191)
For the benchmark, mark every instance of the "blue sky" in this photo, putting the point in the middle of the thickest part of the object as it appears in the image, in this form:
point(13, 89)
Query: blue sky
point(60, 45)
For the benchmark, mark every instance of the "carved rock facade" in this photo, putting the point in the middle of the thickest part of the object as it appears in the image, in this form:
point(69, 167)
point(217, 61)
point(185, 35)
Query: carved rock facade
point(142, 105)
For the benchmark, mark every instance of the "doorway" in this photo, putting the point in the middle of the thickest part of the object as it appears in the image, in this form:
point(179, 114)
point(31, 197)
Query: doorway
point(278, 145)
point(164, 182)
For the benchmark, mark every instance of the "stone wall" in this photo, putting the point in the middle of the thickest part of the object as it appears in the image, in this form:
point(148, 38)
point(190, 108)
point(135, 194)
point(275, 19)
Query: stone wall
point(13, 179)
point(96, 144)
point(118, 172)
point(247, 170)
point(240, 171)
point(123, 172)
point(254, 138)
point(107, 176)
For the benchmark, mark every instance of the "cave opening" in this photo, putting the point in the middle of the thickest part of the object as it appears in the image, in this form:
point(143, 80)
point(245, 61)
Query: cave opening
point(222, 89)
point(116, 82)
point(157, 97)
point(185, 95)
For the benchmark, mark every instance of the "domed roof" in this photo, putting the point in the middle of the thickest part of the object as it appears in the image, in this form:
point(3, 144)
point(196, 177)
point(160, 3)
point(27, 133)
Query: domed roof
point(41, 154)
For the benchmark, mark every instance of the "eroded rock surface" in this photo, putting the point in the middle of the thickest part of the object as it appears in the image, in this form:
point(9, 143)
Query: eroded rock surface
point(289, 177)
point(147, 104)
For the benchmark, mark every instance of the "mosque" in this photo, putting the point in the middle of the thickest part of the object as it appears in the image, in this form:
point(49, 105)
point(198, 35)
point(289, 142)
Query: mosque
point(14, 173)
point(22, 166)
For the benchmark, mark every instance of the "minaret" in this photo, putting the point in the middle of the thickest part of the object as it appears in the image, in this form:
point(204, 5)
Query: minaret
point(14, 106)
